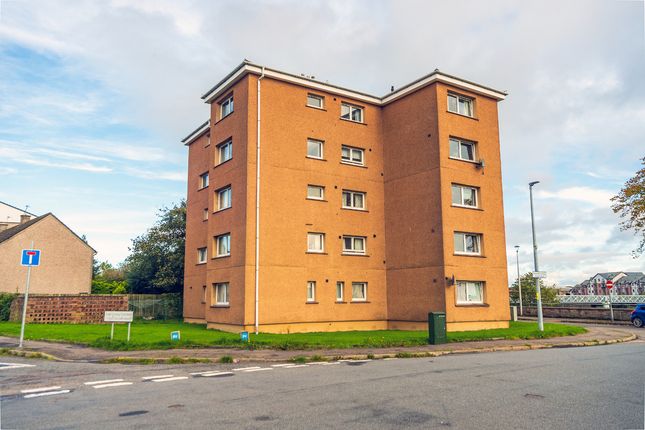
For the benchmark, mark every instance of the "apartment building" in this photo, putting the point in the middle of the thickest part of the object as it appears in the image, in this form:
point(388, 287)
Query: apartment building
point(363, 212)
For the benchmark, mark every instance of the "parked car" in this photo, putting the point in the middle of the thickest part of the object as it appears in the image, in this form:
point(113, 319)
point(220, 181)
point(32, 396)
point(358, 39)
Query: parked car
point(638, 316)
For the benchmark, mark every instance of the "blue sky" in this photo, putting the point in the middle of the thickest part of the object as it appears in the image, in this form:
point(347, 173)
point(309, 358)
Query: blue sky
point(96, 96)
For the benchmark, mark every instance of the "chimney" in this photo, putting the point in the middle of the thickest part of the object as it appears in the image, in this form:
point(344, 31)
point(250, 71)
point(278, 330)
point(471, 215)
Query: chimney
point(24, 218)
point(3, 226)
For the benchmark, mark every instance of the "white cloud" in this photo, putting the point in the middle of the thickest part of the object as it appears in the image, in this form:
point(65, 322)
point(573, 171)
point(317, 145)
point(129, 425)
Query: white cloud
point(592, 196)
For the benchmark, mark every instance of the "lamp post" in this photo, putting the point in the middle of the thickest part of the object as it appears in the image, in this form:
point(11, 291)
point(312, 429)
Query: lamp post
point(519, 279)
point(538, 294)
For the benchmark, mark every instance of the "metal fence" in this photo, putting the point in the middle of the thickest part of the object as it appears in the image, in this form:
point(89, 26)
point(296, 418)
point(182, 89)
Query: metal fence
point(615, 298)
point(156, 306)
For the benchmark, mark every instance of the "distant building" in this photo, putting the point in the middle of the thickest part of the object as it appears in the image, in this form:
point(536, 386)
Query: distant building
point(66, 260)
point(625, 283)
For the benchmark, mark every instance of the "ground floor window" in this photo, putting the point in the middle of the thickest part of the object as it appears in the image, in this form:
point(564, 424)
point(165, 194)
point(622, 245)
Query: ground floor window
point(340, 286)
point(311, 291)
point(470, 292)
point(221, 294)
point(359, 291)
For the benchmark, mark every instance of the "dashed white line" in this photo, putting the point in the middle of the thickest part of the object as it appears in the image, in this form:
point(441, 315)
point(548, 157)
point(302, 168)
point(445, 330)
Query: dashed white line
point(147, 378)
point(115, 384)
point(105, 381)
point(211, 374)
point(282, 365)
point(4, 366)
point(295, 366)
point(259, 369)
point(314, 363)
point(246, 369)
point(175, 378)
point(39, 390)
point(48, 393)
point(331, 363)
point(390, 358)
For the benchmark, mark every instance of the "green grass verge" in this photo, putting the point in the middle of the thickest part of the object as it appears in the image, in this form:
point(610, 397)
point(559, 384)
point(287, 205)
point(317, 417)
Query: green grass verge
point(156, 335)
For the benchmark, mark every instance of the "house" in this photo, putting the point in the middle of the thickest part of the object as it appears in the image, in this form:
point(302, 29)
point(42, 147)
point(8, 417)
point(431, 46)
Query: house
point(65, 263)
point(624, 283)
point(363, 212)
point(11, 216)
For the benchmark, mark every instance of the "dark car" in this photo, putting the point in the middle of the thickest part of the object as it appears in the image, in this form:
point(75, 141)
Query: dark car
point(638, 316)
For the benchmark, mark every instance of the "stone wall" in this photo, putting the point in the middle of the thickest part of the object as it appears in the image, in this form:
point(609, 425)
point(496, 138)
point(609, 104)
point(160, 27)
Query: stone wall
point(579, 312)
point(76, 308)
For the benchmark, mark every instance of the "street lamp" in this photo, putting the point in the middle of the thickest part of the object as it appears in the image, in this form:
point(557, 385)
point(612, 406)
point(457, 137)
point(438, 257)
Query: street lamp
point(538, 294)
point(519, 280)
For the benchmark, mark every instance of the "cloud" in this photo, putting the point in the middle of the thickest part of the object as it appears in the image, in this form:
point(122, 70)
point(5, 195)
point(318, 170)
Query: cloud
point(591, 196)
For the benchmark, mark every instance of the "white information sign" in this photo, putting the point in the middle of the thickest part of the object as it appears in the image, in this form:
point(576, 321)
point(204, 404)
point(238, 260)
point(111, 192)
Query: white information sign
point(118, 316)
point(539, 275)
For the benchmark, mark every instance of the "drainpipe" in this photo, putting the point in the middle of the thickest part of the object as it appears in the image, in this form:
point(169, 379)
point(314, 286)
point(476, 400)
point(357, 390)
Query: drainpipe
point(257, 212)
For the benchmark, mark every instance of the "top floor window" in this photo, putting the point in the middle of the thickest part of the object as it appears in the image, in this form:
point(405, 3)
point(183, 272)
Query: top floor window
point(460, 104)
point(225, 151)
point(351, 112)
point(462, 149)
point(203, 180)
point(226, 107)
point(315, 101)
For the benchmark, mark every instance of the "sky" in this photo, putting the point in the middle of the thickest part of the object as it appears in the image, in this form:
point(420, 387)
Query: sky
point(95, 97)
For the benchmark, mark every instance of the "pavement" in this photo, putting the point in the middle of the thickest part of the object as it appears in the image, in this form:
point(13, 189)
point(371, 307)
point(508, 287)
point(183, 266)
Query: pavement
point(596, 335)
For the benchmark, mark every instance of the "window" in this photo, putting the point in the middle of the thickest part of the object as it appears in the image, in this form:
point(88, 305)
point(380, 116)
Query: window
point(340, 286)
point(464, 196)
point(205, 214)
point(315, 242)
point(224, 198)
point(460, 104)
point(352, 155)
point(311, 291)
point(470, 292)
point(467, 243)
point(221, 294)
point(201, 255)
point(314, 148)
point(226, 107)
point(315, 101)
point(351, 112)
point(223, 245)
point(208, 141)
point(203, 293)
point(354, 245)
point(315, 192)
point(353, 200)
point(462, 149)
point(203, 180)
point(359, 291)
point(225, 151)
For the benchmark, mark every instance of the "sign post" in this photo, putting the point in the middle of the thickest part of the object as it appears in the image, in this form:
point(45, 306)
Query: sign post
point(30, 257)
point(610, 285)
point(118, 316)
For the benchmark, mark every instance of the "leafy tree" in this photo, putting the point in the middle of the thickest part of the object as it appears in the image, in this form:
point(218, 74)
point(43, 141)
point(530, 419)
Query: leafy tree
point(156, 262)
point(629, 203)
point(549, 294)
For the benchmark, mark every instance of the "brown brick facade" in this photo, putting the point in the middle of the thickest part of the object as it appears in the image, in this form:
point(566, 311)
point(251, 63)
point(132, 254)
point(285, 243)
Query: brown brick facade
point(76, 309)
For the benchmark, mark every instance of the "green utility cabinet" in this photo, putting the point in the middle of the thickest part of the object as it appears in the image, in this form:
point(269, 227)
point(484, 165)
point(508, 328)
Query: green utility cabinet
point(437, 328)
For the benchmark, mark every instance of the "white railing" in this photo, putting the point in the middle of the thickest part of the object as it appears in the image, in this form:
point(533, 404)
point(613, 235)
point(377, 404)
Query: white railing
point(615, 298)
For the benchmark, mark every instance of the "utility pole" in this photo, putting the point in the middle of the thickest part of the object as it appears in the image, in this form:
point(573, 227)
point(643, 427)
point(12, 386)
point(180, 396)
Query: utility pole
point(519, 279)
point(538, 293)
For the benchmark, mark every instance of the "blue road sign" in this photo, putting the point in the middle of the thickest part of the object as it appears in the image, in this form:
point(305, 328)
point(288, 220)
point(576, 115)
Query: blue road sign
point(175, 335)
point(244, 336)
point(30, 257)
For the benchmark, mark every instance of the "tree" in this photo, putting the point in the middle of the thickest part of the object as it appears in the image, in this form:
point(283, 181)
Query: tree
point(629, 203)
point(549, 294)
point(156, 262)
point(108, 279)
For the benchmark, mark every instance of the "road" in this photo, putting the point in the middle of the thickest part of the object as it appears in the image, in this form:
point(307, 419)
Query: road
point(577, 388)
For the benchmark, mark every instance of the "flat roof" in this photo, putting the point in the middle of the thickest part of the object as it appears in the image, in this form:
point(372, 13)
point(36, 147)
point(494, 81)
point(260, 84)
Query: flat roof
point(195, 134)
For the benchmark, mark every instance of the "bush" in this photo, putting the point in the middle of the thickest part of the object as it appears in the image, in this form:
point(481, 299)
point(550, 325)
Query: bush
point(5, 305)
point(101, 286)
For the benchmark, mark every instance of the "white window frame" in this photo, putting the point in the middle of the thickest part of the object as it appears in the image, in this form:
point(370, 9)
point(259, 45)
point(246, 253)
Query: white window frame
point(478, 242)
point(466, 285)
point(340, 291)
point(461, 195)
point(352, 195)
point(364, 287)
point(217, 287)
point(223, 149)
point(311, 291)
point(459, 99)
point(321, 146)
point(319, 187)
point(226, 107)
point(352, 250)
point(205, 214)
point(350, 160)
point(220, 194)
point(461, 143)
point(202, 255)
point(316, 97)
point(348, 116)
point(203, 181)
point(322, 242)
point(226, 237)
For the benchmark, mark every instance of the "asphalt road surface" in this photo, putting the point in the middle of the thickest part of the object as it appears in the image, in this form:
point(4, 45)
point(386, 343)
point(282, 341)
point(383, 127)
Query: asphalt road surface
point(579, 388)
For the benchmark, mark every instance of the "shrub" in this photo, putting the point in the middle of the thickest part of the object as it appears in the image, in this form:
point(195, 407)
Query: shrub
point(226, 359)
point(5, 305)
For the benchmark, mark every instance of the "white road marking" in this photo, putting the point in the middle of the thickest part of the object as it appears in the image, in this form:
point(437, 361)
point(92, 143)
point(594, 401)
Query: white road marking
point(390, 358)
point(313, 363)
point(14, 365)
point(147, 378)
point(247, 368)
point(115, 384)
point(295, 365)
point(48, 393)
point(201, 373)
point(331, 363)
point(208, 375)
point(175, 378)
point(282, 365)
point(39, 390)
point(259, 369)
point(105, 381)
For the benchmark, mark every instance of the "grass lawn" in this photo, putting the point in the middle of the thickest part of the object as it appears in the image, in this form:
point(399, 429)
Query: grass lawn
point(156, 335)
